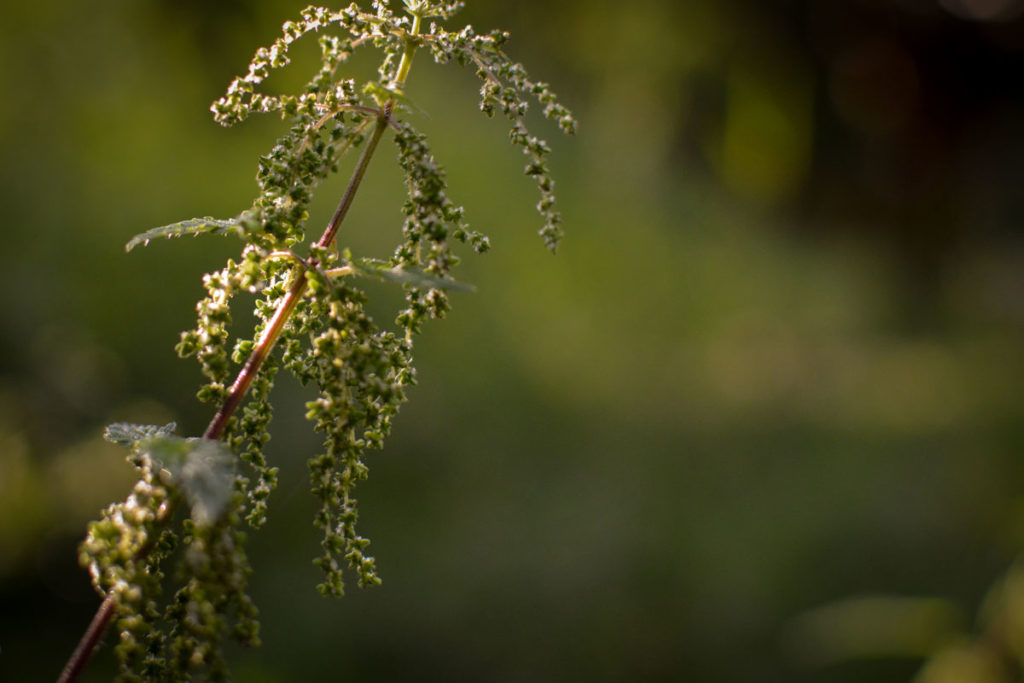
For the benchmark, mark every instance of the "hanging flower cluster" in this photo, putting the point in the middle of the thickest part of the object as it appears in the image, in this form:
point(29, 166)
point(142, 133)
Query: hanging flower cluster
point(194, 495)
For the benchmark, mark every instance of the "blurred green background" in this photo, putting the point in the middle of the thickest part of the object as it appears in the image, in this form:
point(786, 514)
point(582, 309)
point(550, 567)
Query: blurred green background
point(759, 420)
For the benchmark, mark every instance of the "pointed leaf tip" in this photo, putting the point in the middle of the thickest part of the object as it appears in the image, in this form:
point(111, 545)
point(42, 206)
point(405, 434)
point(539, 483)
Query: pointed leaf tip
point(193, 226)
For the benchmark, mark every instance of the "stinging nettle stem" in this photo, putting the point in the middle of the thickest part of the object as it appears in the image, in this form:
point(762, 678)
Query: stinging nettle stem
point(91, 638)
point(105, 613)
point(259, 354)
point(357, 177)
point(284, 310)
point(351, 351)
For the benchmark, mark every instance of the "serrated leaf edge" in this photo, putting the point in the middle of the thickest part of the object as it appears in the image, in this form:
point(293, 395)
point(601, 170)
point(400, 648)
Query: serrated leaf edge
point(192, 226)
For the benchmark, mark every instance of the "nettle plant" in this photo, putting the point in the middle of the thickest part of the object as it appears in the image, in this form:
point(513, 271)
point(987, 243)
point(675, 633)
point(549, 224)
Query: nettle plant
point(170, 561)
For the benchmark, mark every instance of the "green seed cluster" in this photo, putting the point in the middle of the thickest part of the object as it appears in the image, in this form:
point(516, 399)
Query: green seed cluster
point(207, 343)
point(212, 602)
point(507, 87)
point(431, 219)
point(249, 437)
point(360, 372)
point(326, 339)
point(126, 549)
point(426, 9)
point(242, 98)
point(123, 552)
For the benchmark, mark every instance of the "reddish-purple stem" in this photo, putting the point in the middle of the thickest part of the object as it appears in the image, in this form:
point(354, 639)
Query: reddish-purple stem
point(101, 620)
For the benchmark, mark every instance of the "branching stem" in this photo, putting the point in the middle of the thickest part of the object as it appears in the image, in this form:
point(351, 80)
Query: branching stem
point(101, 620)
point(259, 354)
point(411, 42)
point(357, 177)
point(359, 368)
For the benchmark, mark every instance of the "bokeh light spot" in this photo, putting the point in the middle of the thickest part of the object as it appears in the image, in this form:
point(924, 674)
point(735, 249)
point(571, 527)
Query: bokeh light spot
point(984, 10)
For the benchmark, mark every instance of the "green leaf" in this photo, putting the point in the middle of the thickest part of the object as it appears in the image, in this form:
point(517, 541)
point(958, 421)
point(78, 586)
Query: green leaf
point(193, 226)
point(407, 276)
point(207, 477)
point(125, 434)
point(202, 469)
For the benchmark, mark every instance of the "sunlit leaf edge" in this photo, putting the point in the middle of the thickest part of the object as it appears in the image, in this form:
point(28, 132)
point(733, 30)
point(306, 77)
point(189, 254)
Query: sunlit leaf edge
point(192, 226)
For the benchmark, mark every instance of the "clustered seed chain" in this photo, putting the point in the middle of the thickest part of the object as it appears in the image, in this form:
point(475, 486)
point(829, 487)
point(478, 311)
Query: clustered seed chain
point(361, 370)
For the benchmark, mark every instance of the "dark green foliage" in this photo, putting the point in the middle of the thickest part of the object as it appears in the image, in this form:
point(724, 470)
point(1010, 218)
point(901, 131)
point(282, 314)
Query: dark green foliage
point(311, 321)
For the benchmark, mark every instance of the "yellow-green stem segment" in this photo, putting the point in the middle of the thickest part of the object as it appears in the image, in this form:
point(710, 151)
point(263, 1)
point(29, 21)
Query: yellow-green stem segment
point(410, 50)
